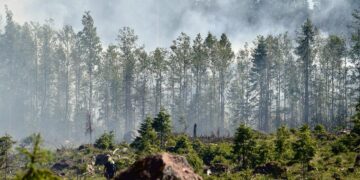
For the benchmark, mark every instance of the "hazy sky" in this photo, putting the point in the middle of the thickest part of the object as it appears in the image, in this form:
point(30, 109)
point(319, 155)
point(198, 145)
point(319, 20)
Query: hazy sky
point(156, 22)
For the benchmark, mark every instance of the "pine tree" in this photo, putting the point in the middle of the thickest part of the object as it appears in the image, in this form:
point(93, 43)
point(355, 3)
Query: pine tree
point(111, 88)
point(291, 83)
point(355, 44)
point(199, 64)
point(275, 57)
point(127, 44)
point(260, 78)
point(181, 53)
point(305, 42)
point(9, 63)
point(211, 54)
point(240, 106)
point(47, 74)
point(142, 78)
point(91, 49)
point(65, 53)
point(334, 52)
point(159, 68)
point(225, 56)
point(78, 70)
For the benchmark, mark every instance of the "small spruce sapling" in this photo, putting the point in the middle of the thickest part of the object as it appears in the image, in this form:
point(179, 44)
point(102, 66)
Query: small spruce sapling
point(304, 148)
point(35, 158)
point(281, 142)
point(162, 126)
point(147, 136)
point(244, 145)
point(105, 141)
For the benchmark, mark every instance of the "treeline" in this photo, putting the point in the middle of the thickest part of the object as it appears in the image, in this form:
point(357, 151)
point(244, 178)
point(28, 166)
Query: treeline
point(62, 80)
point(301, 153)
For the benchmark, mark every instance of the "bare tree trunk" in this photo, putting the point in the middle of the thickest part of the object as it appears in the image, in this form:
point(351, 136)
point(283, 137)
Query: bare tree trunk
point(143, 98)
point(306, 86)
point(222, 101)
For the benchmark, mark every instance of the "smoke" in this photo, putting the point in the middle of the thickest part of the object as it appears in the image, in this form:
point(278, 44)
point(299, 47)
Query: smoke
point(158, 22)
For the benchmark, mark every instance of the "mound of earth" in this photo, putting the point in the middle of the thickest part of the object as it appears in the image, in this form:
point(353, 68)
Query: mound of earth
point(160, 166)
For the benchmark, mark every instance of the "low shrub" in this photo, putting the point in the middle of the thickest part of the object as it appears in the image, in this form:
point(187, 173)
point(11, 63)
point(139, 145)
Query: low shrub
point(105, 141)
point(338, 147)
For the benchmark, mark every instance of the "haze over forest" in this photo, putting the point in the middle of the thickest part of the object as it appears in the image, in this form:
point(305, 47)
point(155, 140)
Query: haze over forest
point(68, 68)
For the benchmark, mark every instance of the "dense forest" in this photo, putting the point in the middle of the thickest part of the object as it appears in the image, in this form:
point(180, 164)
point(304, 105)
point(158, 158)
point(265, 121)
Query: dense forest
point(69, 86)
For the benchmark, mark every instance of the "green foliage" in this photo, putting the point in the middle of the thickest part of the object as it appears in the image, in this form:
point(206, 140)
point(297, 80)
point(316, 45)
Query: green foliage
point(212, 151)
point(105, 141)
point(208, 154)
point(338, 147)
point(123, 163)
point(356, 120)
point(6, 143)
point(320, 132)
point(183, 145)
point(219, 159)
point(147, 137)
point(281, 141)
point(35, 158)
point(27, 141)
point(221, 153)
point(352, 140)
point(162, 126)
point(293, 130)
point(319, 129)
point(195, 161)
point(263, 153)
point(338, 161)
point(198, 146)
point(244, 145)
point(304, 147)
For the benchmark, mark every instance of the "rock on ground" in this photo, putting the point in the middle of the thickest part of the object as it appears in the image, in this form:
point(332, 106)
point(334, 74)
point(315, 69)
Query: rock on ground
point(160, 166)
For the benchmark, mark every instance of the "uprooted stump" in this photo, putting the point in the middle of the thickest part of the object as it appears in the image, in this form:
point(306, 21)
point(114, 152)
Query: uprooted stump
point(357, 161)
point(160, 166)
point(219, 168)
point(101, 159)
point(271, 168)
point(63, 164)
